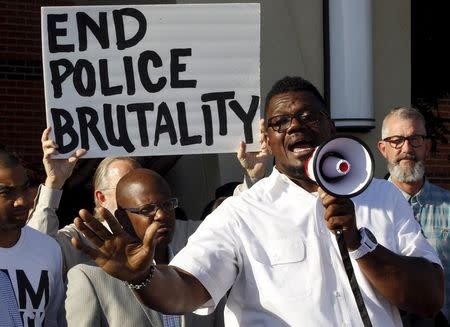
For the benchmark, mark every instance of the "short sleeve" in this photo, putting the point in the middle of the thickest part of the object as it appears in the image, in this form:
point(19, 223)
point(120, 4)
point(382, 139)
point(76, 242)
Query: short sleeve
point(211, 256)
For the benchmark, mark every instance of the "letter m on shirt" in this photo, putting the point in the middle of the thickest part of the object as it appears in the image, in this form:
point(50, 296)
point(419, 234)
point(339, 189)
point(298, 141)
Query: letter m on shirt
point(36, 295)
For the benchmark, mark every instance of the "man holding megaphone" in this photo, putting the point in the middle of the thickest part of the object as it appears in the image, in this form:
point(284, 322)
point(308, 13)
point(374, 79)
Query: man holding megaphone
point(274, 248)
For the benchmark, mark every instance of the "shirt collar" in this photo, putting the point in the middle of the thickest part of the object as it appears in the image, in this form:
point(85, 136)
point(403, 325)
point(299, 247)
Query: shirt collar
point(420, 197)
point(284, 179)
point(423, 193)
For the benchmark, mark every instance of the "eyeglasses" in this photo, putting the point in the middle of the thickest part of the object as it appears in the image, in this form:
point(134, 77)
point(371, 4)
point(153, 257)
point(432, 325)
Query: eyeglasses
point(397, 141)
point(281, 123)
point(150, 209)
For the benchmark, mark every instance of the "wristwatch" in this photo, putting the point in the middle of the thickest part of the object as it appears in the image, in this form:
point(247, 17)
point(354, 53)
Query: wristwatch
point(368, 244)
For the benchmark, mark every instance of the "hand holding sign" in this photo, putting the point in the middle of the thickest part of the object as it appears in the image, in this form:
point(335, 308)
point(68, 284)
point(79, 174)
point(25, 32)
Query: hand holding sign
point(255, 163)
point(57, 170)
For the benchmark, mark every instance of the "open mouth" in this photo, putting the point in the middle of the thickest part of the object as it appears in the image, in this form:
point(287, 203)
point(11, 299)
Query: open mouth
point(301, 147)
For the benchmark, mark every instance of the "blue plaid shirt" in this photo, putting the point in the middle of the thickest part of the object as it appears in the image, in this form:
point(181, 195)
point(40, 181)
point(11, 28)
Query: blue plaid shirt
point(170, 320)
point(431, 207)
point(9, 311)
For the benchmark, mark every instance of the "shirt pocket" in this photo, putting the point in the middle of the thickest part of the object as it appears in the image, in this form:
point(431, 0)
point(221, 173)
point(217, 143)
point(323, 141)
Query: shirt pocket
point(282, 267)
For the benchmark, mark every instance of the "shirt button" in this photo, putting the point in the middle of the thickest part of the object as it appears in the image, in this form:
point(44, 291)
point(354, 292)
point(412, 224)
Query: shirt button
point(337, 294)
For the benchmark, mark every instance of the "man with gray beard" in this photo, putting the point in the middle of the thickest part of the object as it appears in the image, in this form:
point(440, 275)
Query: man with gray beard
point(405, 146)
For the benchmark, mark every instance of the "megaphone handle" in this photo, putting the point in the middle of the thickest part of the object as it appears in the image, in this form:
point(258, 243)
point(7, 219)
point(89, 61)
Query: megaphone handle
point(352, 278)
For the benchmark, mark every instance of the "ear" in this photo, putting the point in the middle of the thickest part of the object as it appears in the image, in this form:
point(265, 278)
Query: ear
point(382, 148)
point(266, 143)
point(264, 137)
point(99, 197)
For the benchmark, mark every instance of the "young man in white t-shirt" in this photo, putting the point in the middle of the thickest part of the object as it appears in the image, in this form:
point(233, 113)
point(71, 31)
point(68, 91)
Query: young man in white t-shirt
point(31, 259)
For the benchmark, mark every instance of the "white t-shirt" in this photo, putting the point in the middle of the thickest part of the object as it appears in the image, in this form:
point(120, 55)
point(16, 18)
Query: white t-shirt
point(271, 246)
point(34, 265)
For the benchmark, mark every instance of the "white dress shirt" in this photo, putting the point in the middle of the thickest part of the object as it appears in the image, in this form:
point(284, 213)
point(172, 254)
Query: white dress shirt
point(271, 246)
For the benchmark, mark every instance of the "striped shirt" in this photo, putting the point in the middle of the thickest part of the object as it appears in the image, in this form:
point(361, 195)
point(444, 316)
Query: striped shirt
point(170, 320)
point(9, 311)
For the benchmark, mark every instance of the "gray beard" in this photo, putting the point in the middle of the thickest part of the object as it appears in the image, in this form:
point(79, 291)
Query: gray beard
point(407, 175)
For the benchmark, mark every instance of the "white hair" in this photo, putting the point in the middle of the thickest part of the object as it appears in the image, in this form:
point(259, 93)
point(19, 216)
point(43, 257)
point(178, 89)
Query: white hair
point(403, 113)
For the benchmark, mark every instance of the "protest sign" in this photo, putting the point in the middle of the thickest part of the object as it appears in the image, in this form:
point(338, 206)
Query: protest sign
point(152, 79)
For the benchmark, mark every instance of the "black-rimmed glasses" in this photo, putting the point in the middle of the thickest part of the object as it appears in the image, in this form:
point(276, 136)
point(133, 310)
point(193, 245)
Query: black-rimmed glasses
point(281, 123)
point(150, 209)
point(397, 141)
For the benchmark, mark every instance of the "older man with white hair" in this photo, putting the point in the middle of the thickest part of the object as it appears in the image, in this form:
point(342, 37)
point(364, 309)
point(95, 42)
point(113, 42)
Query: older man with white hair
point(405, 145)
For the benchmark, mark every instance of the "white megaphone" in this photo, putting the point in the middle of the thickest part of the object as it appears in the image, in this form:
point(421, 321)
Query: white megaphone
point(342, 166)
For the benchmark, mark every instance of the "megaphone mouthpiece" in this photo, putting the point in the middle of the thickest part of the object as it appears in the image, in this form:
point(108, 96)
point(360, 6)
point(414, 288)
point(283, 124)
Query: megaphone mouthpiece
point(333, 166)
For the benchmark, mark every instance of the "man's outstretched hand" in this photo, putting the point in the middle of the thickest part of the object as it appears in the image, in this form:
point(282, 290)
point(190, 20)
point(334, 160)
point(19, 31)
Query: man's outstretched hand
point(117, 253)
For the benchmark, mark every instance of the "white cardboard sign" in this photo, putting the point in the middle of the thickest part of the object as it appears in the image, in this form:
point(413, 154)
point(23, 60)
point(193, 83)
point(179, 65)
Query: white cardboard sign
point(152, 79)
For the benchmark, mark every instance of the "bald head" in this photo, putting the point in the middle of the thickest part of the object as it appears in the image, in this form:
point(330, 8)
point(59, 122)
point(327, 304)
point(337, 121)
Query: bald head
point(140, 182)
point(140, 188)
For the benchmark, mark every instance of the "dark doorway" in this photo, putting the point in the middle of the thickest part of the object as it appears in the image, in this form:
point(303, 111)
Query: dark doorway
point(430, 80)
point(430, 60)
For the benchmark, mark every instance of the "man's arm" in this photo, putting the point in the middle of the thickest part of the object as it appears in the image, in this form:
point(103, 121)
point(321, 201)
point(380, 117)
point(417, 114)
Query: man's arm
point(411, 283)
point(183, 293)
point(130, 260)
point(44, 217)
point(45, 220)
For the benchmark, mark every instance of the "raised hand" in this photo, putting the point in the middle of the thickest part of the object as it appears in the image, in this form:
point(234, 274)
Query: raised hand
point(340, 214)
point(117, 253)
point(255, 163)
point(57, 170)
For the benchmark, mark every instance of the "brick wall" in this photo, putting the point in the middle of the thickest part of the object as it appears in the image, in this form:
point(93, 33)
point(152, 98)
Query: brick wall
point(438, 166)
point(22, 111)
